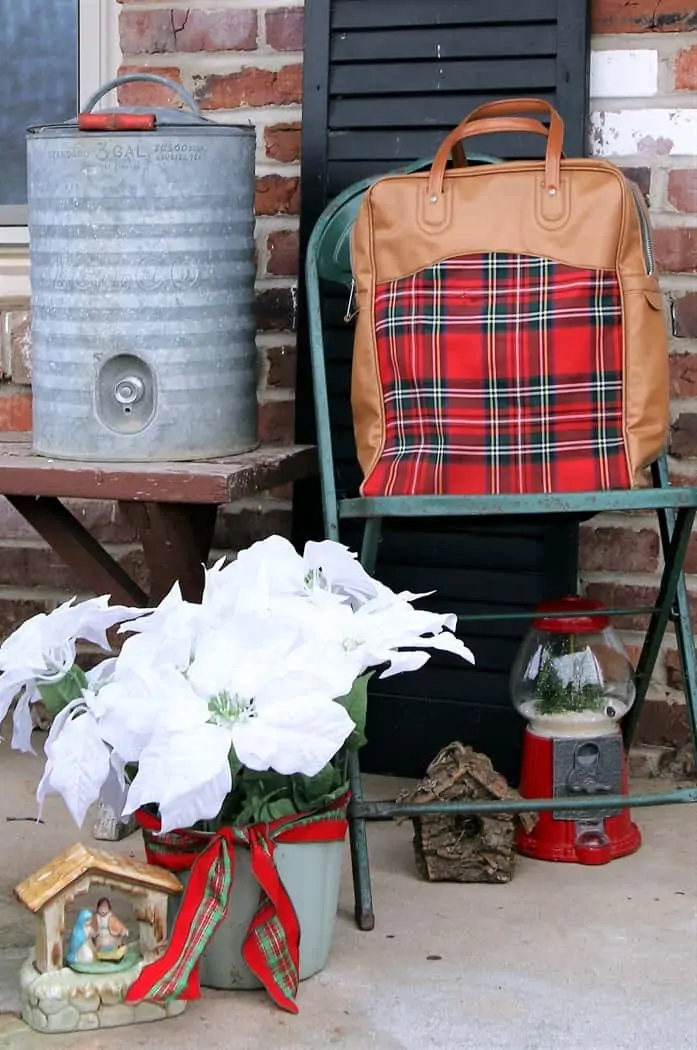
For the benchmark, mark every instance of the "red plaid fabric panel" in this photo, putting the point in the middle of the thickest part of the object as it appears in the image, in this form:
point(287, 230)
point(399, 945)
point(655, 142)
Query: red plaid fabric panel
point(500, 373)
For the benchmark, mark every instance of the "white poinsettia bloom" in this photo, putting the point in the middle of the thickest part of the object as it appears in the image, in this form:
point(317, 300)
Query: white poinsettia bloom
point(140, 702)
point(332, 566)
point(166, 636)
point(266, 717)
point(385, 630)
point(250, 680)
point(42, 652)
point(78, 762)
point(187, 774)
point(324, 566)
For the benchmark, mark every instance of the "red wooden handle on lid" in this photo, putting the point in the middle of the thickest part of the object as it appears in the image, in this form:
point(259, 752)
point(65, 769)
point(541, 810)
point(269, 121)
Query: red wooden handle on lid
point(117, 122)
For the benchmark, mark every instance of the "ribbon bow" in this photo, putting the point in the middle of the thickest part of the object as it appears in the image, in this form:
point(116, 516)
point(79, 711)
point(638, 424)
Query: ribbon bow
point(271, 947)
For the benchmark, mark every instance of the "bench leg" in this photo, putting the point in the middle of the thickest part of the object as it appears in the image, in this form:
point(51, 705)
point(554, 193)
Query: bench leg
point(176, 539)
point(360, 862)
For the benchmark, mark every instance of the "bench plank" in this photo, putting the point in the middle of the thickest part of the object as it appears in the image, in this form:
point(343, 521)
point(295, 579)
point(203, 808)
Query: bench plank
point(216, 481)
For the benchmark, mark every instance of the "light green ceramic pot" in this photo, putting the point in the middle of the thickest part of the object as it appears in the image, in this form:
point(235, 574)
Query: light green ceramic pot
point(310, 872)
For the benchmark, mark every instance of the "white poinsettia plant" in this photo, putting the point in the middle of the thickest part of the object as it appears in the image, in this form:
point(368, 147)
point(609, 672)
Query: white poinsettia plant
point(232, 710)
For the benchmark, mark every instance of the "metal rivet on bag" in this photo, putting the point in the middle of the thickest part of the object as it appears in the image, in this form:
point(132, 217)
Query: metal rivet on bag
point(551, 191)
point(433, 200)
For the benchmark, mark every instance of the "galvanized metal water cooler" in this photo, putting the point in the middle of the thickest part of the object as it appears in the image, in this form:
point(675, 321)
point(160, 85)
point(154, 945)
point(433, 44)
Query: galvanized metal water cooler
point(141, 226)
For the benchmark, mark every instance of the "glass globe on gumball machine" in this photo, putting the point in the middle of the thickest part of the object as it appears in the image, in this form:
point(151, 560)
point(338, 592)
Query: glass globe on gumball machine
point(573, 682)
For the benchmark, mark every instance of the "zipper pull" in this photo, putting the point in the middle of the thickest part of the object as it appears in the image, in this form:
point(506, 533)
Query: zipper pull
point(350, 312)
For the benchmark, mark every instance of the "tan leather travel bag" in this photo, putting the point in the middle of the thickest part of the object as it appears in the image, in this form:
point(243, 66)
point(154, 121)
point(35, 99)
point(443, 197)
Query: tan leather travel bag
point(510, 334)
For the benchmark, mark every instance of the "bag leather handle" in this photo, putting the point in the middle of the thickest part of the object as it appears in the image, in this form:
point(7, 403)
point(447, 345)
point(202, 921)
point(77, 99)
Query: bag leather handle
point(495, 117)
point(459, 157)
point(505, 107)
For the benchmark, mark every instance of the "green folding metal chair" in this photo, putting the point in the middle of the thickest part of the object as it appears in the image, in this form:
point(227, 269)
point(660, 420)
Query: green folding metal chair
point(328, 260)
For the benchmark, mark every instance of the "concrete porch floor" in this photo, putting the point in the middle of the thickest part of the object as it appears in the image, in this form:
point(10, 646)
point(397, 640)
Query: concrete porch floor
point(562, 958)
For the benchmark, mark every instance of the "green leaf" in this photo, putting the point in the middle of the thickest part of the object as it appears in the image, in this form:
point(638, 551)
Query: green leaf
point(260, 797)
point(57, 695)
point(356, 703)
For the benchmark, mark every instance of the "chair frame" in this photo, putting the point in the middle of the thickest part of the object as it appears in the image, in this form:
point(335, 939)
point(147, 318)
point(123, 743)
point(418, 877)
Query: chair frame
point(328, 260)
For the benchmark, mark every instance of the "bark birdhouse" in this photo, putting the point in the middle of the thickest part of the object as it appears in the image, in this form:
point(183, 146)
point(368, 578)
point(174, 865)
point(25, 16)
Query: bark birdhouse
point(460, 848)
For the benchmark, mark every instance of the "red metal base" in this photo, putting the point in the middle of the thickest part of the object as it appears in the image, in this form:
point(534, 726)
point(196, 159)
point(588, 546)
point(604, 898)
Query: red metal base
point(552, 839)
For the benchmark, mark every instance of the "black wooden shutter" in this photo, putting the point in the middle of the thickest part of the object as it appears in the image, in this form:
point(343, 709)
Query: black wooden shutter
point(384, 82)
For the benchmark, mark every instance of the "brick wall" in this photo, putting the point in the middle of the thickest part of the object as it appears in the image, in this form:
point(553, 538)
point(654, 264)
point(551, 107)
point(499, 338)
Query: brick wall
point(644, 118)
point(243, 61)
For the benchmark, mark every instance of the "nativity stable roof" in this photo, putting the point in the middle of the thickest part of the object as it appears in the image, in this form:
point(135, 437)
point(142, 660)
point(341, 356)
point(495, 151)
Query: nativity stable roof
point(39, 889)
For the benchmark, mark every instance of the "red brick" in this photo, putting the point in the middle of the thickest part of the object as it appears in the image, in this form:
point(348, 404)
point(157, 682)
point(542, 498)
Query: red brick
point(676, 249)
point(673, 669)
point(102, 518)
point(282, 362)
point(685, 316)
point(39, 566)
point(250, 87)
point(282, 142)
point(642, 16)
point(146, 32)
point(239, 527)
point(145, 94)
point(277, 420)
point(618, 549)
point(686, 69)
point(682, 189)
point(159, 31)
point(284, 29)
point(14, 611)
point(641, 177)
point(275, 310)
point(233, 30)
point(624, 596)
point(683, 439)
point(683, 375)
point(663, 723)
point(15, 408)
point(684, 474)
point(277, 195)
point(19, 327)
point(691, 557)
point(628, 596)
point(283, 248)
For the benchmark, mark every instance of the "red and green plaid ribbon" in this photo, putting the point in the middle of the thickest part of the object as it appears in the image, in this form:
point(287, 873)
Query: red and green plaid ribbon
point(271, 948)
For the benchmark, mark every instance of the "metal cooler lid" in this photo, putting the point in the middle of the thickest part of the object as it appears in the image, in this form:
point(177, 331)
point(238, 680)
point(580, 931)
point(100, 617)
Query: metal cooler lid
point(117, 119)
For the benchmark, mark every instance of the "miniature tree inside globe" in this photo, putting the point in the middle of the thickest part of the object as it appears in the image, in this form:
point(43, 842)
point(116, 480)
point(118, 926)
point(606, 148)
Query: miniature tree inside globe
point(572, 671)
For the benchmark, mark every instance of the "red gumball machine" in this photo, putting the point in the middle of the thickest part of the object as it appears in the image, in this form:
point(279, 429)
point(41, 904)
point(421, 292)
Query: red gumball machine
point(573, 681)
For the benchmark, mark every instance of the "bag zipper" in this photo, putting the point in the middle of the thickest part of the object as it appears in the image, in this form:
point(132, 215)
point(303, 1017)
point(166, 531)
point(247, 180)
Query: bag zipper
point(645, 227)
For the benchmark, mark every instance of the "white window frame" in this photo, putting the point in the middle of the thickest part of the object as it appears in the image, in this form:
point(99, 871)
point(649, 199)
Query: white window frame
point(99, 57)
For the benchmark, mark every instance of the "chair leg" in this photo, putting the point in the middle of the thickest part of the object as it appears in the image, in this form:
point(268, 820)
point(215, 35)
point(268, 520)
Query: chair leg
point(372, 532)
point(675, 539)
point(684, 633)
point(360, 862)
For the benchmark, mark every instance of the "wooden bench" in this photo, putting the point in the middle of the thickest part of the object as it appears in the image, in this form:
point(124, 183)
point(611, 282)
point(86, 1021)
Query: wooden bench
point(172, 507)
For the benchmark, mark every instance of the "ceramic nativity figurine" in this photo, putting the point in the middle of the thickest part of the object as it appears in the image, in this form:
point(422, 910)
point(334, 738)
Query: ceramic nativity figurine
point(96, 937)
